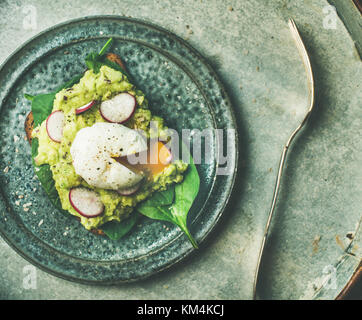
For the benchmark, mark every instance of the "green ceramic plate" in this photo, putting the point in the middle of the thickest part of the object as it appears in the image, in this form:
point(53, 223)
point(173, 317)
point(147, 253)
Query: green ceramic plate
point(180, 87)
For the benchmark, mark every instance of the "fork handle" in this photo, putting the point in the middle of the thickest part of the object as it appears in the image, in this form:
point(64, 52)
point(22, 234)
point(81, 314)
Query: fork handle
point(308, 68)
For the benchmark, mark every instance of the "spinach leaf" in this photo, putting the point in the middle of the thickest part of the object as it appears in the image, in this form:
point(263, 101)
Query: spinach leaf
point(28, 96)
point(116, 230)
point(95, 60)
point(162, 198)
point(41, 107)
point(184, 195)
point(152, 208)
point(92, 62)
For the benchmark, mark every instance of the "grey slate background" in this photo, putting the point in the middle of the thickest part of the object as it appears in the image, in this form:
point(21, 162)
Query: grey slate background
point(249, 45)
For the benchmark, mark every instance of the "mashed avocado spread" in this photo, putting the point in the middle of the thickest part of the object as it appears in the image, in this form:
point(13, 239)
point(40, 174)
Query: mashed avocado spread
point(99, 86)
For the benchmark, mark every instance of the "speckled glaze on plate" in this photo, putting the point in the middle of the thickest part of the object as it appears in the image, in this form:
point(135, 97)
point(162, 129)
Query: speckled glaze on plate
point(180, 87)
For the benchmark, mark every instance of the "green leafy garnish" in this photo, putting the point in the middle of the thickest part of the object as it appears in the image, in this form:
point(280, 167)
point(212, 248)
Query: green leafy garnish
point(173, 205)
point(42, 106)
point(28, 96)
point(95, 60)
point(152, 208)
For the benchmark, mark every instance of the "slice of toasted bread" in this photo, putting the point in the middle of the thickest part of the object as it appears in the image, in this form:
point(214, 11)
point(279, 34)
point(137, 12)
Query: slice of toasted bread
point(29, 121)
point(29, 126)
point(116, 58)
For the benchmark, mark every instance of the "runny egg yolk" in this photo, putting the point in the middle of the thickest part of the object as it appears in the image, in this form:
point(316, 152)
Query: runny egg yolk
point(158, 158)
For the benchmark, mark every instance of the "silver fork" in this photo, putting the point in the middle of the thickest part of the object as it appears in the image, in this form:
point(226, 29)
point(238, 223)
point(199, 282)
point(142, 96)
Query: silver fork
point(304, 55)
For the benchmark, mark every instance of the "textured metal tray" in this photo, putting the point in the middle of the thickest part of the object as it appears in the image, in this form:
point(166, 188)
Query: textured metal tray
point(316, 237)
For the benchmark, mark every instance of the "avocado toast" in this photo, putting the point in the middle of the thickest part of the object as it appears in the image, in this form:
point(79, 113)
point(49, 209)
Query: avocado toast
point(88, 104)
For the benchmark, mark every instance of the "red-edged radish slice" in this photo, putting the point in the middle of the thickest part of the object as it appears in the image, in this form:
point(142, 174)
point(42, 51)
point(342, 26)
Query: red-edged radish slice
point(86, 202)
point(118, 109)
point(85, 107)
point(129, 191)
point(54, 125)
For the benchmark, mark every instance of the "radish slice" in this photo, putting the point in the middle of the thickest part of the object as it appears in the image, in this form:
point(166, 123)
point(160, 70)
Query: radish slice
point(86, 202)
point(118, 109)
point(54, 125)
point(129, 191)
point(85, 107)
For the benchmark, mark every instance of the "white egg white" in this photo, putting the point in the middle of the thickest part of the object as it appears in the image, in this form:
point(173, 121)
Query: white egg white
point(94, 149)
